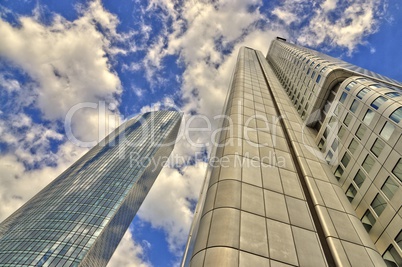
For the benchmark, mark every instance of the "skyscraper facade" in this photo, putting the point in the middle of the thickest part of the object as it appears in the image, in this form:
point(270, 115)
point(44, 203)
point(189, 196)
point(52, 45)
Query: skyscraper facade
point(309, 169)
point(81, 216)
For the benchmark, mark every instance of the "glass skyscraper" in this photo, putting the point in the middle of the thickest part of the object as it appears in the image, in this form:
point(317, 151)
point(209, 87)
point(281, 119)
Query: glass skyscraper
point(310, 168)
point(81, 216)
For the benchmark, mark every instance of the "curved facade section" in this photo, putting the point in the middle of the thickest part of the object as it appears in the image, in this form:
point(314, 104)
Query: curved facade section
point(80, 217)
point(310, 168)
point(368, 117)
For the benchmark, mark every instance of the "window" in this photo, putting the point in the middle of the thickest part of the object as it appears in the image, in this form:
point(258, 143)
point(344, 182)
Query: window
point(346, 159)
point(368, 117)
point(374, 86)
point(378, 102)
point(336, 110)
point(347, 119)
point(397, 171)
point(378, 204)
point(341, 132)
point(334, 145)
point(338, 172)
point(361, 131)
point(398, 239)
point(396, 116)
point(351, 192)
point(389, 188)
point(326, 132)
point(392, 94)
point(359, 178)
point(377, 147)
point(368, 220)
point(354, 106)
point(353, 146)
point(343, 97)
point(321, 144)
point(363, 92)
point(318, 78)
point(368, 163)
point(387, 130)
point(392, 258)
point(350, 85)
point(329, 156)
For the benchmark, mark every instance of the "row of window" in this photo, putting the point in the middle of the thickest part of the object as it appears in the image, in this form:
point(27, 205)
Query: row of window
point(368, 162)
point(396, 115)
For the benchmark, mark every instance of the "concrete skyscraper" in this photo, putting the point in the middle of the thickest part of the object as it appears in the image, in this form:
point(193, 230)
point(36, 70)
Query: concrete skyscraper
point(80, 217)
point(310, 168)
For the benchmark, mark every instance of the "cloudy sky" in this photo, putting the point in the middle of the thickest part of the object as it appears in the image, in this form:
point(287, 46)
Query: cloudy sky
point(131, 56)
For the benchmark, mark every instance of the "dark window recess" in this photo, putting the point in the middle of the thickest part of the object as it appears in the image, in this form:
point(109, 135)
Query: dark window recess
point(368, 220)
point(351, 192)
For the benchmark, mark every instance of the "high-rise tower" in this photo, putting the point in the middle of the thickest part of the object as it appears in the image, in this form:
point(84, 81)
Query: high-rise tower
point(80, 217)
point(310, 169)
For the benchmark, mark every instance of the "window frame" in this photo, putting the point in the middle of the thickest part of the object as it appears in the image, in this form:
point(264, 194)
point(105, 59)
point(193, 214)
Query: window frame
point(362, 93)
point(376, 104)
point(396, 118)
point(378, 150)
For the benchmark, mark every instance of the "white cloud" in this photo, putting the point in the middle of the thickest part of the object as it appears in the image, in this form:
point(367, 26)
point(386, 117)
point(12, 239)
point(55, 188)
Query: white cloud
point(134, 66)
point(138, 91)
point(67, 61)
point(334, 23)
point(286, 17)
point(167, 205)
point(329, 5)
point(9, 84)
point(129, 253)
point(18, 185)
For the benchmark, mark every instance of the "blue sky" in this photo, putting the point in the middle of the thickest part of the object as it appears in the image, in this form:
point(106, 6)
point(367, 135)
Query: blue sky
point(133, 56)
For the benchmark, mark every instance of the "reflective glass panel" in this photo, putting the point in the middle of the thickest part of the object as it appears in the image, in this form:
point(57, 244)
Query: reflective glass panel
point(397, 171)
point(396, 116)
point(343, 97)
point(350, 85)
point(368, 117)
point(377, 147)
point(363, 92)
point(368, 163)
point(359, 178)
point(378, 102)
point(378, 204)
point(345, 160)
point(354, 106)
point(387, 130)
point(389, 187)
point(353, 146)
